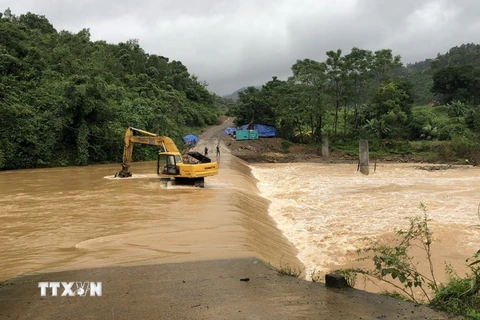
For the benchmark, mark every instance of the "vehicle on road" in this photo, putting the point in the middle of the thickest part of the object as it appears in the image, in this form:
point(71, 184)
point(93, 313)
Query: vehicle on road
point(171, 167)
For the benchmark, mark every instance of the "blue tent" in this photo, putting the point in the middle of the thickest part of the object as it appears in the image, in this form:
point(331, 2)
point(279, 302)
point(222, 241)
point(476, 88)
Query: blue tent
point(230, 131)
point(190, 139)
point(264, 130)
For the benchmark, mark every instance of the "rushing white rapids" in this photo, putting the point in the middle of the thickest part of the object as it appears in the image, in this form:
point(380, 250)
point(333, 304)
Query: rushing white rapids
point(326, 209)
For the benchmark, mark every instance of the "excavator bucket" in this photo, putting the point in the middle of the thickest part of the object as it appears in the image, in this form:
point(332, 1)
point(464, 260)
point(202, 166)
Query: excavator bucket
point(170, 158)
point(124, 173)
point(200, 157)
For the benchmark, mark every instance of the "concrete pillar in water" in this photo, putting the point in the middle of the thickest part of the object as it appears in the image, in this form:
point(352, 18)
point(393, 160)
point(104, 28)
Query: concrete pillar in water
point(364, 158)
point(325, 148)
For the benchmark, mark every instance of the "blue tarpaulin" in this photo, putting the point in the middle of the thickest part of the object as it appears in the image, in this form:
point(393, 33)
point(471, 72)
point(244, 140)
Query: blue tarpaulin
point(230, 131)
point(190, 139)
point(264, 130)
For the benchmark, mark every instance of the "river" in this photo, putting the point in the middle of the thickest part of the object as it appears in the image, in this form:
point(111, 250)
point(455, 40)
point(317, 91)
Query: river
point(327, 210)
point(82, 217)
point(302, 214)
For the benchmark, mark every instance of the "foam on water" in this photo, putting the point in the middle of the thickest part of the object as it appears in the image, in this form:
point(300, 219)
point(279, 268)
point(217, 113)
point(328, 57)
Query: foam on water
point(325, 210)
point(133, 177)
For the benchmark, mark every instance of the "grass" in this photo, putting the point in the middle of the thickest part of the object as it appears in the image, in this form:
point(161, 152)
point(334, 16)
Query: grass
point(394, 294)
point(315, 275)
point(451, 151)
point(395, 265)
point(286, 146)
point(290, 271)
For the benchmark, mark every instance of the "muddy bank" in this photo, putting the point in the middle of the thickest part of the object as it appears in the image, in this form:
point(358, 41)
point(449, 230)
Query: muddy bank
point(274, 150)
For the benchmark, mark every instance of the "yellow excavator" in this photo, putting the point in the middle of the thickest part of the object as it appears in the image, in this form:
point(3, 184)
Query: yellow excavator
point(171, 167)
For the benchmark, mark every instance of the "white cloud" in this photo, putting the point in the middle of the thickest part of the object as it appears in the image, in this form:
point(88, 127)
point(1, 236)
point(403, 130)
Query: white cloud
point(235, 43)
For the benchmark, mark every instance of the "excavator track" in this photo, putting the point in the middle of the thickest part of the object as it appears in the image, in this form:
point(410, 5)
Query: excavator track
point(172, 167)
point(196, 182)
point(200, 183)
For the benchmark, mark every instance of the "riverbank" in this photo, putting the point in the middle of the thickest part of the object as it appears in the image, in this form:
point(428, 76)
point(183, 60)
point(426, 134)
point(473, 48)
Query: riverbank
point(220, 289)
point(277, 150)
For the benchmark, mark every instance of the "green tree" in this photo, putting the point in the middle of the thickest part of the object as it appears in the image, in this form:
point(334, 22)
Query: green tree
point(391, 104)
point(310, 80)
point(461, 83)
point(358, 63)
point(336, 77)
point(67, 100)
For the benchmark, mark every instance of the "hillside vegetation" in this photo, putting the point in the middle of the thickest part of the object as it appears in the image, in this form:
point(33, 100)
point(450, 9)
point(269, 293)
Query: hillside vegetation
point(430, 107)
point(67, 100)
point(234, 95)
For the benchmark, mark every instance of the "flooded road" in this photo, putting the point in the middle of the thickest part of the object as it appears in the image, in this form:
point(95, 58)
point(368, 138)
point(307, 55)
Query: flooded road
point(81, 217)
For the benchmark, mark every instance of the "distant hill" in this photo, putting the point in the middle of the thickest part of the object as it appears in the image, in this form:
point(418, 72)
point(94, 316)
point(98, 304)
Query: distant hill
point(234, 96)
point(420, 73)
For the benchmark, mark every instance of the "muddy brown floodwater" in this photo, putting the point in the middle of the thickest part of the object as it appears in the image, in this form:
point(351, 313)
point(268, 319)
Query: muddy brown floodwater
point(82, 217)
point(310, 216)
point(326, 210)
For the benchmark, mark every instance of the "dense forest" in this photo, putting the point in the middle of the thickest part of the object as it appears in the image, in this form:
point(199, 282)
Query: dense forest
point(66, 100)
point(431, 105)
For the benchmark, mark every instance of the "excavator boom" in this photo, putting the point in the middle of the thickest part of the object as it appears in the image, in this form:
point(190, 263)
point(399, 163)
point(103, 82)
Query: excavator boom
point(170, 163)
point(151, 139)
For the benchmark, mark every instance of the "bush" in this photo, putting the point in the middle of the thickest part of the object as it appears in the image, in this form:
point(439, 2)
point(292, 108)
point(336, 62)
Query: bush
point(394, 264)
point(456, 109)
point(450, 130)
point(398, 146)
point(423, 146)
point(472, 120)
point(286, 145)
point(444, 151)
point(463, 147)
point(418, 121)
point(459, 296)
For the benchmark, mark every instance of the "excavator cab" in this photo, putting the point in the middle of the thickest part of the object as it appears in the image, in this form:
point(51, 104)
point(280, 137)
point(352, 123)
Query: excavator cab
point(170, 165)
point(167, 163)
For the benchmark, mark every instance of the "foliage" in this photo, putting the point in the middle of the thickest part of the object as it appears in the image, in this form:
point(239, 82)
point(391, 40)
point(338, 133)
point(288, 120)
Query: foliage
point(422, 124)
point(395, 265)
point(460, 296)
point(429, 132)
point(286, 145)
point(472, 119)
point(350, 277)
point(65, 99)
point(457, 83)
point(456, 109)
point(287, 270)
point(372, 92)
point(422, 83)
point(377, 128)
point(336, 97)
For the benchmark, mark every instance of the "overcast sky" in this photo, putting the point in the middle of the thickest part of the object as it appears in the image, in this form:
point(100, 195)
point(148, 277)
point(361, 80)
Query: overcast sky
point(236, 43)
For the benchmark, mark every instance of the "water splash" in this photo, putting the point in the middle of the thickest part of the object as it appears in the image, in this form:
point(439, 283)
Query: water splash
point(325, 210)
